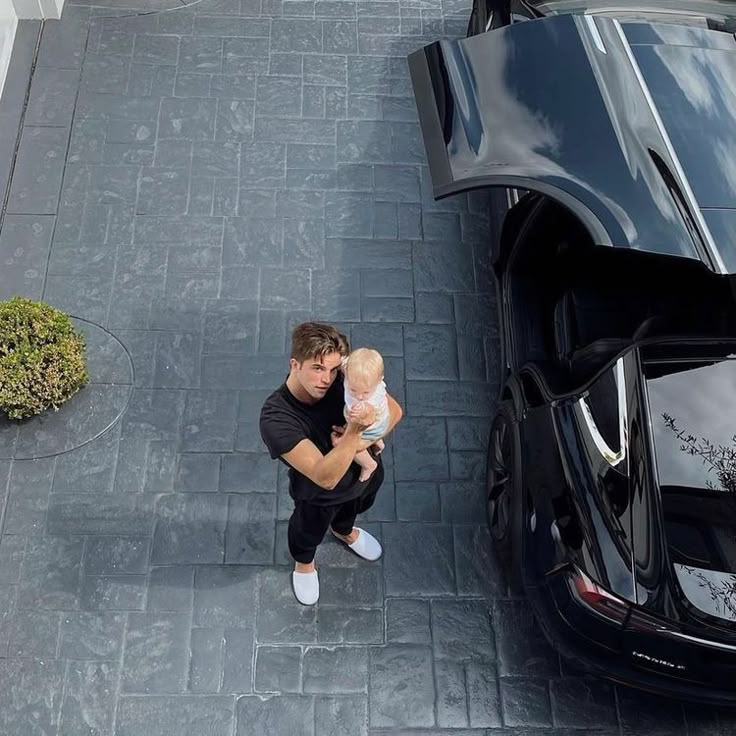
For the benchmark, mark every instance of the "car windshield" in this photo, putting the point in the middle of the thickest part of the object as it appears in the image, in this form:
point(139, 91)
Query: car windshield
point(692, 413)
point(693, 417)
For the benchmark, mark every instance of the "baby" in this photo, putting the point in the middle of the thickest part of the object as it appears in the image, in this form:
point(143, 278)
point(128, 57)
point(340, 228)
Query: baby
point(363, 371)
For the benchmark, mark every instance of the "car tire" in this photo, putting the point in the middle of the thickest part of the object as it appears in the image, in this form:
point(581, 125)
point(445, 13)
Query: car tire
point(503, 490)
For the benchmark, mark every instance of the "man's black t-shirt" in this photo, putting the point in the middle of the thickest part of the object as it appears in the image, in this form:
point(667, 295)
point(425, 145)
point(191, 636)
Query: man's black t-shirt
point(286, 421)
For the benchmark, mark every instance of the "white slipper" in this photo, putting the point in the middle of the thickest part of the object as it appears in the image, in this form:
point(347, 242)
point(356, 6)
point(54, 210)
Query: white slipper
point(365, 546)
point(306, 587)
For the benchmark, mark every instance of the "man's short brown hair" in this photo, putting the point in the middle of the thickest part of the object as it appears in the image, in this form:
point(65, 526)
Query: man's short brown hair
point(314, 340)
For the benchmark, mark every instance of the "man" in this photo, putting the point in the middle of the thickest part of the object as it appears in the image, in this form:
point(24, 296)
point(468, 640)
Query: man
point(302, 424)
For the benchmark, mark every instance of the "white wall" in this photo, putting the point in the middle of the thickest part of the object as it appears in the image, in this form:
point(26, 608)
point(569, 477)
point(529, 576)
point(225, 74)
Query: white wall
point(51, 8)
point(36, 8)
point(8, 24)
point(13, 10)
point(27, 8)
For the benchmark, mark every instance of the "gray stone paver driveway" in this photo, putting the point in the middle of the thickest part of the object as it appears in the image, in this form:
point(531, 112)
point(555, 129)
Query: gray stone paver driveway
point(189, 185)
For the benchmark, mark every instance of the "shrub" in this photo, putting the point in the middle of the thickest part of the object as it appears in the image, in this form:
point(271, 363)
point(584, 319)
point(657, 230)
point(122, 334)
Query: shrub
point(41, 358)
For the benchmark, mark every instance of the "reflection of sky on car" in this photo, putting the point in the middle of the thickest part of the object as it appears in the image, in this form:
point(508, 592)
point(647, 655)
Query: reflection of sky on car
point(524, 134)
point(702, 402)
point(629, 117)
point(703, 132)
point(512, 119)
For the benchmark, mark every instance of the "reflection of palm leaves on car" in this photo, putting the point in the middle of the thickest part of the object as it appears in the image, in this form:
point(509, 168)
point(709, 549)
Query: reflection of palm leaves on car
point(722, 460)
point(719, 458)
point(722, 593)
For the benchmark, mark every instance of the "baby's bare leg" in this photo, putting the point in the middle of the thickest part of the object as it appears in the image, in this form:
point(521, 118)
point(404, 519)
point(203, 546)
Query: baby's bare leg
point(367, 464)
point(380, 445)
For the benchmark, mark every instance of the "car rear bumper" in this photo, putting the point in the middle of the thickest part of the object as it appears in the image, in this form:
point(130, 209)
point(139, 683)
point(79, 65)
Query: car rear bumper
point(616, 665)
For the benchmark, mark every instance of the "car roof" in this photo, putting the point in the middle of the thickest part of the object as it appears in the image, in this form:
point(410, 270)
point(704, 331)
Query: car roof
point(704, 13)
point(630, 125)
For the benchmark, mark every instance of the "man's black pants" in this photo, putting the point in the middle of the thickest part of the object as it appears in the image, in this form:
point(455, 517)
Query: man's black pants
point(309, 523)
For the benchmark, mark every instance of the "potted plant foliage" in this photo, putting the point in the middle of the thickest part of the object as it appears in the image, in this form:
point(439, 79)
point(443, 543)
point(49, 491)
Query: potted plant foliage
point(42, 358)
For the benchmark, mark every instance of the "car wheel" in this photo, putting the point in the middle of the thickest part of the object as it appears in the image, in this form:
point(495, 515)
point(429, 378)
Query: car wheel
point(503, 483)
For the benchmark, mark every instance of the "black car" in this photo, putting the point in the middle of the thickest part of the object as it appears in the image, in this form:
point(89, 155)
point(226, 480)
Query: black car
point(612, 455)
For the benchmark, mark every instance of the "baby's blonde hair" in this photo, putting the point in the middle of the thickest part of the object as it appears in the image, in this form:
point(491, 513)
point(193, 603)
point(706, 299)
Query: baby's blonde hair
point(364, 363)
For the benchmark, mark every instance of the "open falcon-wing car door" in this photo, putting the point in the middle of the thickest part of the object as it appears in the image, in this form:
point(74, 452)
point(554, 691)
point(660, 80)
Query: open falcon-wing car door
point(632, 126)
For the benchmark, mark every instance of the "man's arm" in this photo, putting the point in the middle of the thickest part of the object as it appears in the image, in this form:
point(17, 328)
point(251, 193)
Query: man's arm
point(327, 470)
point(394, 414)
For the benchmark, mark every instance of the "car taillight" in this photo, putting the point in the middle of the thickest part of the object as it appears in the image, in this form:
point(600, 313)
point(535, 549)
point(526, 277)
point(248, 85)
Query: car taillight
point(598, 599)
